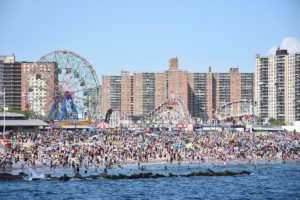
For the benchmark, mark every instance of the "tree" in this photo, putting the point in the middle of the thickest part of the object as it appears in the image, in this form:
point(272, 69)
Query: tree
point(24, 112)
point(275, 122)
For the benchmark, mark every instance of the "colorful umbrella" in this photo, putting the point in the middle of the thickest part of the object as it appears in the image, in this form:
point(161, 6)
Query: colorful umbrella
point(103, 125)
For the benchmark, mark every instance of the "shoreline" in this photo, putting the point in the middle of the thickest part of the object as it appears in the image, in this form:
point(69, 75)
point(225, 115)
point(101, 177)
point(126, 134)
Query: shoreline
point(234, 162)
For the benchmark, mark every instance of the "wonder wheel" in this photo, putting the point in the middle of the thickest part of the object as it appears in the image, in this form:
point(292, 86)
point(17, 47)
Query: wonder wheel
point(62, 86)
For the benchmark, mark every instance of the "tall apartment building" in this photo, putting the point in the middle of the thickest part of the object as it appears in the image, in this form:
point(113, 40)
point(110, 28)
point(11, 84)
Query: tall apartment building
point(277, 86)
point(160, 88)
point(144, 93)
point(141, 93)
point(247, 86)
point(201, 93)
point(111, 93)
point(210, 105)
point(297, 86)
point(39, 84)
point(126, 93)
point(10, 79)
point(1, 84)
point(197, 94)
point(208, 91)
point(222, 92)
point(177, 82)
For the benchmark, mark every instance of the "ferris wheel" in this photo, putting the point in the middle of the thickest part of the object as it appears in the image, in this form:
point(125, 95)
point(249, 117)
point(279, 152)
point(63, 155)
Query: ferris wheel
point(64, 86)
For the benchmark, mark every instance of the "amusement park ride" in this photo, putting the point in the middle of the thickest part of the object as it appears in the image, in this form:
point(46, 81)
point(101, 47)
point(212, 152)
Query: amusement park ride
point(69, 94)
point(170, 114)
point(72, 90)
point(238, 112)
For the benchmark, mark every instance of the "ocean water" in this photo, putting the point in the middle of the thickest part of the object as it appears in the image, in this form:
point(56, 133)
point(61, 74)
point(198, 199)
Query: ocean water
point(267, 181)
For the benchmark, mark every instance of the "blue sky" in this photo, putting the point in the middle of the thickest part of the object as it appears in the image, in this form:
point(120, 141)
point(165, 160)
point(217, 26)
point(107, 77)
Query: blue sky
point(139, 35)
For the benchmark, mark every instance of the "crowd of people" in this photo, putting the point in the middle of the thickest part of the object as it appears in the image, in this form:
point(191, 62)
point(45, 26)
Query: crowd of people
point(115, 149)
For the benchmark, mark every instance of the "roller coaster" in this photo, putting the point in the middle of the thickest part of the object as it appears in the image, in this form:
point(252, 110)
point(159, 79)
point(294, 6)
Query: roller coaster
point(244, 111)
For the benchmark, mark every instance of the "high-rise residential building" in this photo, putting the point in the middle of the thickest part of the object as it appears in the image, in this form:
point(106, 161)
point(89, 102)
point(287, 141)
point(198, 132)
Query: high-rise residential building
point(209, 91)
point(297, 86)
point(126, 93)
point(201, 93)
point(222, 92)
point(235, 89)
point(144, 93)
point(277, 86)
point(39, 85)
point(177, 82)
point(261, 86)
point(138, 94)
point(10, 80)
point(111, 93)
point(160, 88)
point(197, 94)
point(210, 105)
point(1, 74)
point(1, 84)
point(247, 86)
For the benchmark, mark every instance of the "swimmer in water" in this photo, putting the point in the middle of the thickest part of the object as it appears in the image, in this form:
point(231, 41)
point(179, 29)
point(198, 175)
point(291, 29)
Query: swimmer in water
point(77, 168)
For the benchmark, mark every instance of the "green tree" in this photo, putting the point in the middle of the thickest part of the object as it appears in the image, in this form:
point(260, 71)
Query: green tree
point(24, 112)
point(275, 122)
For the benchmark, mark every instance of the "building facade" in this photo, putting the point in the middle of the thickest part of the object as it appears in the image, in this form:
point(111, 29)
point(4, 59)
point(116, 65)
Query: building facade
point(277, 86)
point(197, 93)
point(111, 93)
point(177, 82)
point(144, 93)
point(201, 93)
point(10, 80)
point(38, 88)
point(208, 91)
point(126, 93)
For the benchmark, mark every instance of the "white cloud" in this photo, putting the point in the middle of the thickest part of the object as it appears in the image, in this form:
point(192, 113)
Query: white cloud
point(292, 44)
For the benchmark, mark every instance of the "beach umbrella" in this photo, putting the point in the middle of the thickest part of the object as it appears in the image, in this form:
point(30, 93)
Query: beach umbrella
point(41, 148)
point(176, 145)
point(101, 145)
point(154, 135)
point(93, 144)
point(103, 125)
point(189, 145)
point(282, 143)
point(60, 143)
point(49, 148)
point(95, 136)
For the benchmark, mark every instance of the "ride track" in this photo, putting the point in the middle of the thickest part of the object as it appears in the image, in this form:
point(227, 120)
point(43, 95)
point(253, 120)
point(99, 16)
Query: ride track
point(245, 109)
point(171, 112)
